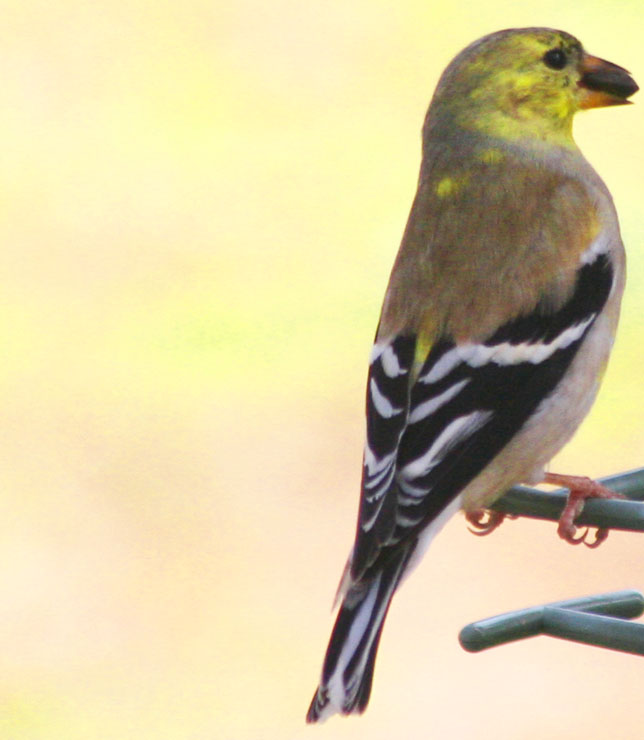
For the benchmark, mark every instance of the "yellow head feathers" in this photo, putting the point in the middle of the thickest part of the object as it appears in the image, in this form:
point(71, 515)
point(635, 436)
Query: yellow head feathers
point(524, 84)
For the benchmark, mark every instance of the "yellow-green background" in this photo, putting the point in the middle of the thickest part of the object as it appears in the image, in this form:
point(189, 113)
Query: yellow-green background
point(200, 203)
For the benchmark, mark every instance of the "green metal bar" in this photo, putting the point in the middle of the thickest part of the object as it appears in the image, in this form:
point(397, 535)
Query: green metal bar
point(630, 484)
point(501, 629)
point(518, 625)
point(626, 604)
point(592, 629)
point(609, 513)
point(596, 620)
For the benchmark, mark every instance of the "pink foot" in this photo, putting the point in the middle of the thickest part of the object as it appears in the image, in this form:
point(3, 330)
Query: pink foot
point(484, 521)
point(580, 488)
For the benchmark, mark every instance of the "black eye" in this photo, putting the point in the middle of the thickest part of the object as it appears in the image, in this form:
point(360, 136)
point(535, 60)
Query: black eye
point(555, 59)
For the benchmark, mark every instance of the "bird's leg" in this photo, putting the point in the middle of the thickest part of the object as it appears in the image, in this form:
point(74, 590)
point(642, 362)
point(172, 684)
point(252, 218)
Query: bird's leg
point(580, 488)
point(484, 521)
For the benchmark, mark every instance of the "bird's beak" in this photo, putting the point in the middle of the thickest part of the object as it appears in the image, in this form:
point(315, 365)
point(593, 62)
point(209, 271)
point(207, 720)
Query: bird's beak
point(604, 83)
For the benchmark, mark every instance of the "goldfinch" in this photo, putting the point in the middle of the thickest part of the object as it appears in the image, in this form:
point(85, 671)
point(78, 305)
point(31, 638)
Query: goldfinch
point(496, 326)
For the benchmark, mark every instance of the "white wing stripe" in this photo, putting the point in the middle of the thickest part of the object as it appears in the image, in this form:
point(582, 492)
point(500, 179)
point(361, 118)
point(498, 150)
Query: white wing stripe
point(412, 494)
point(514, 354)
point(505, 353)
point(440, 369)
point(406, 521)
point(601, 245)
point(382, 489)
point(381, 403)
point(366, 525)
point(453, 433)
point(376, 351)
point(373, 480)
point(390, 363)
point(375, 465)
point(425, 409)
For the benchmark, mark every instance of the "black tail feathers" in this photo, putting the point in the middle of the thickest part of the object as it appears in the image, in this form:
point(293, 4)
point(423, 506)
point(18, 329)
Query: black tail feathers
point(350, 659)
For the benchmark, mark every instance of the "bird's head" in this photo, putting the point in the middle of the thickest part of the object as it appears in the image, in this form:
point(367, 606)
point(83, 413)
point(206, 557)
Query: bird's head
point(526, 83)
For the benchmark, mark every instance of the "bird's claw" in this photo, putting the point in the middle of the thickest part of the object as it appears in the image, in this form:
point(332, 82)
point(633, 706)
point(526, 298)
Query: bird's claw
point(568, 534)
point(580, 489)
point(484, 521)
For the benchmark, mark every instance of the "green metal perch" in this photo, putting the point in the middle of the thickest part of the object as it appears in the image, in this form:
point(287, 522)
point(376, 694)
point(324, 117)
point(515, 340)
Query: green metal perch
point(602, 513)
point(594, 620)
point(600, 620)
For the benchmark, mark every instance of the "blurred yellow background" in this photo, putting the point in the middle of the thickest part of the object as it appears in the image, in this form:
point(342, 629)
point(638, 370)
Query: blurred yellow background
point(200, 206)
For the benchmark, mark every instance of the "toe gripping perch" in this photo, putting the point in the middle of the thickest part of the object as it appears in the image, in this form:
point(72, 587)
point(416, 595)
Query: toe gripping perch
point(600, 620)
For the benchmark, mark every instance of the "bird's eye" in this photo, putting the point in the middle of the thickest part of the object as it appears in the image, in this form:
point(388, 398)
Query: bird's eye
point(555, 58)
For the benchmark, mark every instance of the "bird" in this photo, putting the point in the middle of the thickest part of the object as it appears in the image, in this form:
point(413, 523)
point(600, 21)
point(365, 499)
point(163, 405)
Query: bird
point(496, 326)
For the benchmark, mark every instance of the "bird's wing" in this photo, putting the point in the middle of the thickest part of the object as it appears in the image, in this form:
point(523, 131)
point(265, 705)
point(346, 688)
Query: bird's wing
point(430, 435)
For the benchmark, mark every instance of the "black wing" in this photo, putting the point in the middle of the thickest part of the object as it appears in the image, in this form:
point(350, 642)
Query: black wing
point(427, 440)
